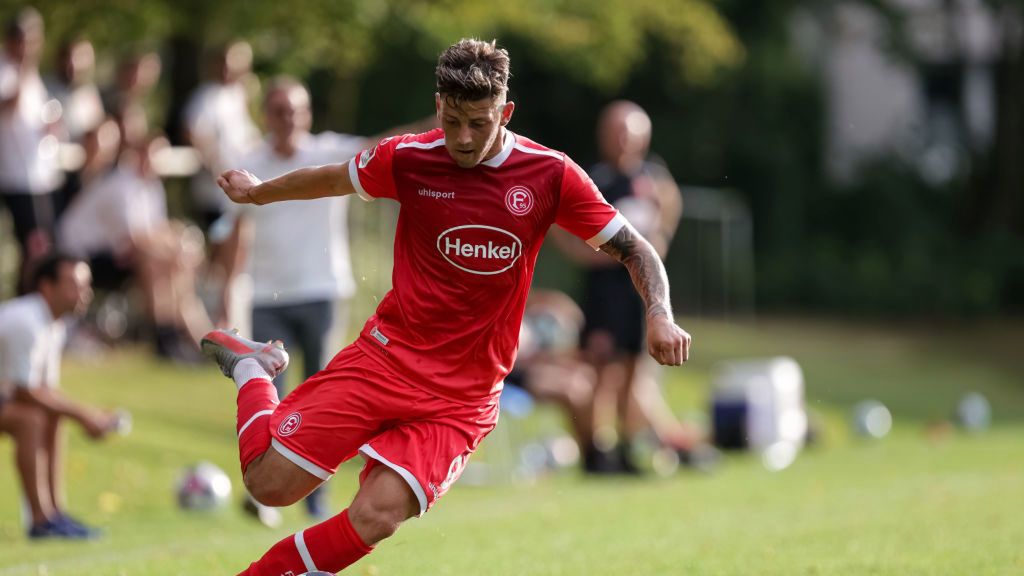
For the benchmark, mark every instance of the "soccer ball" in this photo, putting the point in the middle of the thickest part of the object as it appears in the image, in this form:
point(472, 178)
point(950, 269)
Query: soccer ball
point(203, 486)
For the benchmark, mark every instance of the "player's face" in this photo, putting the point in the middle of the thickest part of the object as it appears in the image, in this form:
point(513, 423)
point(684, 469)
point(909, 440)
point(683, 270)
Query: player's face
point(472, 129)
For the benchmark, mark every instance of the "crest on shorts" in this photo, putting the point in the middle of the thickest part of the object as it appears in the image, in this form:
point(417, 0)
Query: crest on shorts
point(290, 424)
point(454, 471)
point(519, 200)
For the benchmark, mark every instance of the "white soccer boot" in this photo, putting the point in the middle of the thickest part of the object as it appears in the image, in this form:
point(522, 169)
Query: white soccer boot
point(227, 348)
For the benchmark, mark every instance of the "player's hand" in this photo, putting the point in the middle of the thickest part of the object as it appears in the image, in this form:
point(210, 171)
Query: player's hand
point(666, 342)
point(238, 185)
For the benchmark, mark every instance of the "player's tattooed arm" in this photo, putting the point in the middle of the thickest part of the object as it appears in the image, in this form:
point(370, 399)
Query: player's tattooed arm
point(645, 267)
point(666, 342)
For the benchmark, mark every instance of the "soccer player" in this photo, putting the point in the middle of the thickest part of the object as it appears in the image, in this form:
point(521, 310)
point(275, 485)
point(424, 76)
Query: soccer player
point(418, 390)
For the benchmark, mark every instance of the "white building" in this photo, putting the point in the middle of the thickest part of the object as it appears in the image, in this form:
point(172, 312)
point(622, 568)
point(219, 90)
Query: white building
point(919, 86)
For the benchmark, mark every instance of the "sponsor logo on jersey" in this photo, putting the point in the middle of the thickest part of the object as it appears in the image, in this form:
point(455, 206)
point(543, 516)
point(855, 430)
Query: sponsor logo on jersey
point(290, 425)
point(479, 249)
point(519, 200)
point(428, 193)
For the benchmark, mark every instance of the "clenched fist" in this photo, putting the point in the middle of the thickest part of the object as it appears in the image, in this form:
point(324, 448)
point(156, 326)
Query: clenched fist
point(666, 342)
point(238, 185)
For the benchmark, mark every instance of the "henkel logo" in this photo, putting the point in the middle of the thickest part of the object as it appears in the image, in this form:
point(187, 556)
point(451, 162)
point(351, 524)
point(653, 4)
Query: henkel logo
point(518, 200)
point(479, 249)
point(290, 424)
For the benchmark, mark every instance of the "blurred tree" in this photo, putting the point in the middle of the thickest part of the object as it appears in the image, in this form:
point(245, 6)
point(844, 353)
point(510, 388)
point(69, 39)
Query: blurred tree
point(995, 194)
point(598, 41)
point(593, 42)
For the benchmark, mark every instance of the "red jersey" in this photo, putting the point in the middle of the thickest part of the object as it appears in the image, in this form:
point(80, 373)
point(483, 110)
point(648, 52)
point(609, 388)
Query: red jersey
point(465, 248)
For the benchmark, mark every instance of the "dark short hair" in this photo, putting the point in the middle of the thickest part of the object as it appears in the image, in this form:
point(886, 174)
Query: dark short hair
point(49, 267)
point(472, 69)
point(19, 24)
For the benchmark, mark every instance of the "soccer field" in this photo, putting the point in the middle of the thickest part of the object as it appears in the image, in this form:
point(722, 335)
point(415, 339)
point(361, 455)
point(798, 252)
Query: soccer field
point(925, 500)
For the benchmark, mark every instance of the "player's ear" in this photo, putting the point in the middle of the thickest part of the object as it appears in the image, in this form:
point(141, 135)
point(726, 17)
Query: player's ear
point(437, 104)
point(506, 112)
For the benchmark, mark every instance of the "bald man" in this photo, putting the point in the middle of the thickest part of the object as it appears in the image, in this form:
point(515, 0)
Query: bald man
point(613, 336)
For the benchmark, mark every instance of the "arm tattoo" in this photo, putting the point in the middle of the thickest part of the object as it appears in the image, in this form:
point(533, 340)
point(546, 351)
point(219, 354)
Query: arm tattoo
point(645, 267)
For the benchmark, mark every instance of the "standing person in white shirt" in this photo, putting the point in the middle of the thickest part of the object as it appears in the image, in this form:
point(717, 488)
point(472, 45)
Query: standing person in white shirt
point(72, 85)
point(298, 293)
point(32, 408)
point(218, 125)
point(29, 172)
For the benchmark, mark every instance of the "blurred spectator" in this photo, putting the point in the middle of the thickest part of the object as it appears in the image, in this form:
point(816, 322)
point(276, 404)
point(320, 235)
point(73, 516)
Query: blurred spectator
point(119, 223)
point(219, 127)
point(32, 408)
point(613, 336)
point(81, 106)
point(72, 85)
point(101, 147)
point(550, 368)
point(548, 365)
point(299, 294)
point(29, 171)
point(126, 101)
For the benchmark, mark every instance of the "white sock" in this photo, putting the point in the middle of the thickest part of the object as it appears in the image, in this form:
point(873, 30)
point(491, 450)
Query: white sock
point(246, 370)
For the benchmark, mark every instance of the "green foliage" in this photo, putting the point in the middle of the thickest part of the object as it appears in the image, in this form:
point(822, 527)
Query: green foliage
point(597, 42)
point(894, 244)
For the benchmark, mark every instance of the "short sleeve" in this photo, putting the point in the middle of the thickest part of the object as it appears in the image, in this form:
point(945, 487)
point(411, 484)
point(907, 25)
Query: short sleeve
point(24, 357)
point(371, 170)
point(583, 211)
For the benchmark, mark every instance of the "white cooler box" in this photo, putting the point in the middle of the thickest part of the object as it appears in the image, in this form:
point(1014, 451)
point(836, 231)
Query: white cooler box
point(758, 404)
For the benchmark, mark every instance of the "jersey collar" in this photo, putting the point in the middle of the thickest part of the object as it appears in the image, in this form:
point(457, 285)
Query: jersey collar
point(506, 151)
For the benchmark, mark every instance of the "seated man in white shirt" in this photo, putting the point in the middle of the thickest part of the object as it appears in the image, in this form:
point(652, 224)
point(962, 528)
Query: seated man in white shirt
point(119, 224)
point(32, 336)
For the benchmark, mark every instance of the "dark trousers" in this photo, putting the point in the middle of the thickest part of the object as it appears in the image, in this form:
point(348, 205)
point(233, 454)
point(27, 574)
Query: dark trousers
point(30, 212)
point(302, 327)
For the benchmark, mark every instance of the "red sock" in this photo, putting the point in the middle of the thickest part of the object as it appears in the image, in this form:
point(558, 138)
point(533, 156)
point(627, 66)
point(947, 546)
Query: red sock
point(330, 545)
point(256, 402)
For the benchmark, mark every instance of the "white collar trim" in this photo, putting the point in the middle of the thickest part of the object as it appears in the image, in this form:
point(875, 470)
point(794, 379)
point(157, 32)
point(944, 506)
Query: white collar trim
point(506, 150)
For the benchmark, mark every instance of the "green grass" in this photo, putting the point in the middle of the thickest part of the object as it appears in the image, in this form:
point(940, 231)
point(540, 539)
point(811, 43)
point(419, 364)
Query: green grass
point(922, 501)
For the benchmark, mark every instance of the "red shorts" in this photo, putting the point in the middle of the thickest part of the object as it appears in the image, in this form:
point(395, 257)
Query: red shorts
point(357, 405)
